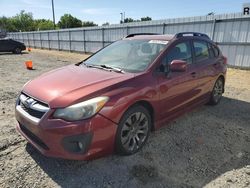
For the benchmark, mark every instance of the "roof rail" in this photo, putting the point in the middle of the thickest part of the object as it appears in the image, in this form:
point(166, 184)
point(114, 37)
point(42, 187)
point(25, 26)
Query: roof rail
point(136, 34)
point(178, 35)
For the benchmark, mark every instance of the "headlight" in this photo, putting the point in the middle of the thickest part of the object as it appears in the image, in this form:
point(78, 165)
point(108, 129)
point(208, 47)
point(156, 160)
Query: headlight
point(82, 110)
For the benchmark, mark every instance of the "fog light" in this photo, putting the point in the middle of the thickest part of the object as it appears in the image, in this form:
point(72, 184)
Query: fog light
point(77, 143)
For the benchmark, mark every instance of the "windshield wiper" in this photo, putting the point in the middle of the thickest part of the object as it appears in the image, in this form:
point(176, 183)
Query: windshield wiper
point(116, 69)
point(105, 67)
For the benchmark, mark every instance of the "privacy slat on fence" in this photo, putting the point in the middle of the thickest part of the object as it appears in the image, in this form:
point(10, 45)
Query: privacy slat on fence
point(231, 31)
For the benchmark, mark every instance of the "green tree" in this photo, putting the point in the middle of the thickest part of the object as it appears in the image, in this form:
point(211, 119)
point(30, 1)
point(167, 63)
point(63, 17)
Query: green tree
point(23, 22)
point(88, 24)
point(43, 24)
point(105, 24)
point(68, 21)
point(127, 20)
point(20, 22)
point(5, 24)
point(146, 19)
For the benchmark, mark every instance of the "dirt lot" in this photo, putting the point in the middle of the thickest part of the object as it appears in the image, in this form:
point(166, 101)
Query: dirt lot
point(209, 147)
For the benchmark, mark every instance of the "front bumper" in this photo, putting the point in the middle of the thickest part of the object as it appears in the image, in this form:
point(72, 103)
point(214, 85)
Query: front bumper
point(58, 138)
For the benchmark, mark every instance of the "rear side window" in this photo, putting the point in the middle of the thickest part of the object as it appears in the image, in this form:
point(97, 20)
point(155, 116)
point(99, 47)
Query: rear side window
point(181, 51)
point(201, 50)
point(213, 50)
point(216, 51)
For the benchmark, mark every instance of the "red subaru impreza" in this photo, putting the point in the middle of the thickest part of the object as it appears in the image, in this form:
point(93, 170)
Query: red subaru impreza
point(115, 98)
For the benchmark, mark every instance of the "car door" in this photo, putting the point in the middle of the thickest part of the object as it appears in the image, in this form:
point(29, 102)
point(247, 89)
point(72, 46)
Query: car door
point(177, 89)
point(11, 44)
point(5, 45)
point(205, 65)
point(2, 45)
point(217, 59)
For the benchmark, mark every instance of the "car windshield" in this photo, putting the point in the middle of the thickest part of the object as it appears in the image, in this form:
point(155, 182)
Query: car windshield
point(128, 55)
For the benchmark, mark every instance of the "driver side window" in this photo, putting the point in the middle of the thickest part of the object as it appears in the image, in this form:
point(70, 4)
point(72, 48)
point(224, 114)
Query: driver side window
point(181, 51)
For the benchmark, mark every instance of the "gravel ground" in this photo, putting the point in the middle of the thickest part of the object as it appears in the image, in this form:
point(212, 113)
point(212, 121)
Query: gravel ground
point(208, 147)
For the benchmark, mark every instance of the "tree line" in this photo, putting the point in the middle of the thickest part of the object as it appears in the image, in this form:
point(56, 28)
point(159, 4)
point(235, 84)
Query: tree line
point(127, 20)
point(24, 21)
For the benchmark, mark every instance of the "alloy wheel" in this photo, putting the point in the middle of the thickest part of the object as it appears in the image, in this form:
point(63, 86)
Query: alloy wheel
point(134, 131)
point(18, 50)
point(218, 90)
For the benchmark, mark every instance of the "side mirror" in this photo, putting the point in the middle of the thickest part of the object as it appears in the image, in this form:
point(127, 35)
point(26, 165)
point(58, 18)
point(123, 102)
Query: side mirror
point(178, 66)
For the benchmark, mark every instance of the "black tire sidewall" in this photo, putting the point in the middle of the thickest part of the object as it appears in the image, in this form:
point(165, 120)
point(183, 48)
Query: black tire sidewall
point(17, 50)
point(118, 145)
point(212, 99)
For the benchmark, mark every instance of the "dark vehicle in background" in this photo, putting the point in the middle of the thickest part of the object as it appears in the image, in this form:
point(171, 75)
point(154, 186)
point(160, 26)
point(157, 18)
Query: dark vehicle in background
point(10, 45)
point(112, 100)
point(3, 33)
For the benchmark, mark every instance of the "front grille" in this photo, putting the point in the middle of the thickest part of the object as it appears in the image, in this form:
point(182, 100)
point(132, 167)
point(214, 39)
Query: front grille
point(32, 112)
point(33, 137)
point(32, 106)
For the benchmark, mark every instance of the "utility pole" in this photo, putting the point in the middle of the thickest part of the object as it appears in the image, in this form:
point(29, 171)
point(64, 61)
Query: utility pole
point(53, 11)
point(121, 17)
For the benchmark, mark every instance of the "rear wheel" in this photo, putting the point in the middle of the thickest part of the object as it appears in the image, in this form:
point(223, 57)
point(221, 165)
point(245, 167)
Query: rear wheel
point(17, 50)
point(133, 130)
point(217, 92)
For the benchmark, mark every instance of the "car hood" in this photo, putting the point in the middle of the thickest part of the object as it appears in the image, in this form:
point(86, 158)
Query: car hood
point(66, 85)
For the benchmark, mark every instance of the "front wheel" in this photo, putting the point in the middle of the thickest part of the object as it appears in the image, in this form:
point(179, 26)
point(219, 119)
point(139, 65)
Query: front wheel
point(133, 130)
point(217, 92)
point(17, 50)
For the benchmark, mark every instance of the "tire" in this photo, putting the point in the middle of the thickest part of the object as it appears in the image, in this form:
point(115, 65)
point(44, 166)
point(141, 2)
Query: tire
point(133, 130)
point(17, 50)
point(216, 94)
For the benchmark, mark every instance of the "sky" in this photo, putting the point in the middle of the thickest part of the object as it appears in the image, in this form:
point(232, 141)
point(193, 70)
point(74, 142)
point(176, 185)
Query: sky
point(101, 11)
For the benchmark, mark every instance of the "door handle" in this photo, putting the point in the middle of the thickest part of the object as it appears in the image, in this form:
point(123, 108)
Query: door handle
point(215, 64)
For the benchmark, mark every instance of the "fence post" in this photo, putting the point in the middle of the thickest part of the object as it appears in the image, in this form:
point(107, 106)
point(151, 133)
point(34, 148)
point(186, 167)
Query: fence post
point(48, 41)
point(69, 41)
point(103, 42)
point(163, 28)
point(84, 41)
point(34, 44)
point(28, 39)
point(22, 37)
point(213, 29)
point(41, 39)
point(58, 41)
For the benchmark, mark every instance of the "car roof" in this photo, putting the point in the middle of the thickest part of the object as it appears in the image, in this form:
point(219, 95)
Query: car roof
point(166, 37)
point(5, 38)
point(151, 37)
